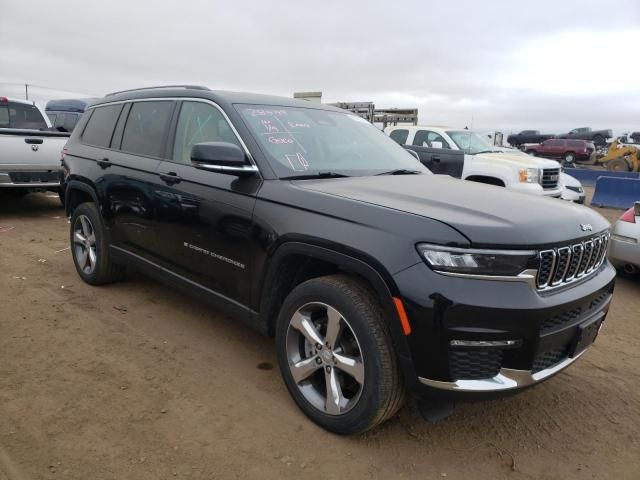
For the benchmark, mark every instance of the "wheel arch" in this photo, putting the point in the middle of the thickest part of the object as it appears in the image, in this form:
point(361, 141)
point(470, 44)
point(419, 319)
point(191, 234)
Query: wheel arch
point(77, 192)
point(486, 179)
point(287, 270)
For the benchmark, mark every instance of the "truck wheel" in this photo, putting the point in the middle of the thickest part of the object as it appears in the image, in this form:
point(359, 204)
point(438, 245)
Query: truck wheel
point(599, 140)
point(336, 356)
point(532, 153)
point(90, 247)
point(618, 165)
point(569, 158)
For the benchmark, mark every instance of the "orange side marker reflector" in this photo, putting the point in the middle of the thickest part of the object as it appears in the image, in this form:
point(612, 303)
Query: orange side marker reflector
point(406, 327)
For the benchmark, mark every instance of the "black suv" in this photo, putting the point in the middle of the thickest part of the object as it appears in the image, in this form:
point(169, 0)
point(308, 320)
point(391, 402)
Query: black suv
point(375, 277)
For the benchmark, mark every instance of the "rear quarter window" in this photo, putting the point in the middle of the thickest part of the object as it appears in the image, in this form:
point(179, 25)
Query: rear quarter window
point(100, 126)
point(145, 132)
point(575, 143)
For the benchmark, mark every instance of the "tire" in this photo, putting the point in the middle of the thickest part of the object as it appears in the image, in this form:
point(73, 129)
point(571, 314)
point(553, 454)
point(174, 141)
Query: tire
point(570, 157)
point(373, 391)
point(532, 153)
point(599, 140)
point(618, 165)
point(88, 234)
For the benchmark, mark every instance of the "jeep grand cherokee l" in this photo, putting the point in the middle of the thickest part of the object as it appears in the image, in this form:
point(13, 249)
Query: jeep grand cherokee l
point(375, 276)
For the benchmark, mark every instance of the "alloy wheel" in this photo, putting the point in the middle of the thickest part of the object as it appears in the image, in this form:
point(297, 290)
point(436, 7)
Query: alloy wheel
point(84, 244)
point(324, 358)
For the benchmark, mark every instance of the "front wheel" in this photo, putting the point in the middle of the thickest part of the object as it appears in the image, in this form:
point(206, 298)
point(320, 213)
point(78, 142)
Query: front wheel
point(90, 247)
point(336, 356)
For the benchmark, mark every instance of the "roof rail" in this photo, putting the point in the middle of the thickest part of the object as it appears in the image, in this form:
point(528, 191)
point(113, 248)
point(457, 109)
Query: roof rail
point(186, 87)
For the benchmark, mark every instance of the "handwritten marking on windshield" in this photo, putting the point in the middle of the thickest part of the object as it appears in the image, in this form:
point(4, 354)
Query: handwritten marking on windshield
point(298, 162)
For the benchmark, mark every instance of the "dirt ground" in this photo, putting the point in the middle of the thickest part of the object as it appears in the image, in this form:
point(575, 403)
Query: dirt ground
point(137, 381)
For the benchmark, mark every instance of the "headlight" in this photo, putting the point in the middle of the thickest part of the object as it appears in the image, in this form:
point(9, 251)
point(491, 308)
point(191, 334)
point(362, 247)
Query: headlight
point(529, 175)
point(477, 262)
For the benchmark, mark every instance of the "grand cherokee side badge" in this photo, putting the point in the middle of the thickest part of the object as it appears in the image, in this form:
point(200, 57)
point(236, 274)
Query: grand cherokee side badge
point(586, 227)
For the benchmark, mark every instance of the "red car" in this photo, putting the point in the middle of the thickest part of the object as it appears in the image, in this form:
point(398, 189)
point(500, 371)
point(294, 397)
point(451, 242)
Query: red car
point(568, 150)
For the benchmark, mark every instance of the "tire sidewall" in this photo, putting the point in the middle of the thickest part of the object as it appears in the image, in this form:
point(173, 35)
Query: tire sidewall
point(364, 412)
point(90, 211)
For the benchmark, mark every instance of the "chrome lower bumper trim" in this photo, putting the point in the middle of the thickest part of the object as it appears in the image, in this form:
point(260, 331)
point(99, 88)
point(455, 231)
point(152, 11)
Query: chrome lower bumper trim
point(507, 379)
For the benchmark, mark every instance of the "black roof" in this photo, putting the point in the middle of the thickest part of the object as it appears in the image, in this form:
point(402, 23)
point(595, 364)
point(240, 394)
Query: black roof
point(221, 97)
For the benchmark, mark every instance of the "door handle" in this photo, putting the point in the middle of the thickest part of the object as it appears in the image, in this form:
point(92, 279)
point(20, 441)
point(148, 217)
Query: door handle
point(104, 163)
point(170, 178)
point(435, 159)
point(33, 141)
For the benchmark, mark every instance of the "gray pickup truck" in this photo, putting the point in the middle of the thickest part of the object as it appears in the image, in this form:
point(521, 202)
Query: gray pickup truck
point(30, 151)
point(599, 137)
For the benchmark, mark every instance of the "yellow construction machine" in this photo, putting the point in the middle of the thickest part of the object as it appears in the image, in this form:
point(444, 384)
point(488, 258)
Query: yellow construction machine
point(621, 157)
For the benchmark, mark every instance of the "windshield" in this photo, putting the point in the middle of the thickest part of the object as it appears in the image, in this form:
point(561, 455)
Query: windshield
point(470, 142)
point(302, 142)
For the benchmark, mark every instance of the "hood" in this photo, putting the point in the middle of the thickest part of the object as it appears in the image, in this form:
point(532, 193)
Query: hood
point(485, 214)
point(521, 159)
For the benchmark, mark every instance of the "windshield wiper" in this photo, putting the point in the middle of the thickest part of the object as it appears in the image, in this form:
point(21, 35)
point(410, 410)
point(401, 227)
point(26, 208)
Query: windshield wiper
point(315, 175)
point(400, 171)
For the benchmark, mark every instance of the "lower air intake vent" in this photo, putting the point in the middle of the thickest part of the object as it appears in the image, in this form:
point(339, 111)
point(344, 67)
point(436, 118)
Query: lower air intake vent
point(474, 364)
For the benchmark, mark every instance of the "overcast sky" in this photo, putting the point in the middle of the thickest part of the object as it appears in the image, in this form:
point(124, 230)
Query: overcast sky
point(550, 65)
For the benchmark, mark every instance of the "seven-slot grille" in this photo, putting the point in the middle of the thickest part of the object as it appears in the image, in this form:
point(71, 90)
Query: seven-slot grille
point(560, 266)
point(550, 177)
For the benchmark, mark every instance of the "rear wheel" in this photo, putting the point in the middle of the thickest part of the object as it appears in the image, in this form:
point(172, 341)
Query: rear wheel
point(336, 356)
point(569, 157)
point(90, 247)
point(599, 140)
point(618, 165)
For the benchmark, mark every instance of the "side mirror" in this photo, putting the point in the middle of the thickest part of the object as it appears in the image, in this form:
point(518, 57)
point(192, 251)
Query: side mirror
point(221, 157)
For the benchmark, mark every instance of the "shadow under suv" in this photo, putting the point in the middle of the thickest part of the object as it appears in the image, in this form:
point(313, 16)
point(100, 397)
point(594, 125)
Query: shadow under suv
point(375, 277)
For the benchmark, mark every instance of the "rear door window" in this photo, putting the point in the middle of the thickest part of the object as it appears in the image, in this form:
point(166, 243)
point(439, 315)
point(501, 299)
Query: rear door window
point(145, 132)
point(400, 135)
point(100, 127)
point(575, 143)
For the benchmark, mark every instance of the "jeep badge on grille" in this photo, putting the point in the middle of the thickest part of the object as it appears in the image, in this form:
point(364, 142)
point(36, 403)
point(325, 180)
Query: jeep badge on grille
point(586, 227)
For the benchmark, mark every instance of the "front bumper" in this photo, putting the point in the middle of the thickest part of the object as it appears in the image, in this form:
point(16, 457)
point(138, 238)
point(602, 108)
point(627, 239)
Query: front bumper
point(544, 328)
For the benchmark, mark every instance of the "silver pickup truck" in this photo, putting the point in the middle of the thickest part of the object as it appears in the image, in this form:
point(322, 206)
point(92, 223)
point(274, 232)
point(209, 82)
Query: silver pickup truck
point(30, 151)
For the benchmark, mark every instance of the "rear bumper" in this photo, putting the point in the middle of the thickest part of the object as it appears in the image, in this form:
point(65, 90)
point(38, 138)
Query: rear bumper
point(21, 176)
point(543, 330)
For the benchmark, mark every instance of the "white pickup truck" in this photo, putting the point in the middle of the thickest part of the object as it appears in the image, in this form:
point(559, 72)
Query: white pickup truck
point(29, 151)
point(441, 149)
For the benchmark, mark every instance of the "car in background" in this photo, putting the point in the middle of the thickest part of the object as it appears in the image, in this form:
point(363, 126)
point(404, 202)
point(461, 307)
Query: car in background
point(599, 137)
point(624, 247)
point(569, 151)
point(527, 136)
point(29, 150)
point(572, 189)
point(64, 114)
point(439, 149)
